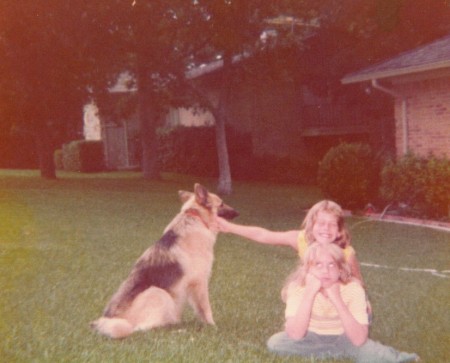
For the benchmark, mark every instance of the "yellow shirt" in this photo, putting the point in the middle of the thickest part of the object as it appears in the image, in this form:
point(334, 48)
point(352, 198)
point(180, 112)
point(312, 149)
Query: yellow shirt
point(302, 245)
point(324, 317)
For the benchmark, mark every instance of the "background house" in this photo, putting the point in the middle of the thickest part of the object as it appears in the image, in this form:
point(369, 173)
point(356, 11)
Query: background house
point(276, 118)
point(121, 138)
point(419, 82)
point(297, 117)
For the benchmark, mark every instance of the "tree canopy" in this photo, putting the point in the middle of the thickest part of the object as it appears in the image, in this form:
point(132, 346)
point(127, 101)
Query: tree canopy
point(47, 68)
point(55, 55)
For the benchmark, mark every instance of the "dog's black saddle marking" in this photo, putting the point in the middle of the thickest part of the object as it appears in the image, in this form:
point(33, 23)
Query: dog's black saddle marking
point(168, 239)
point(162, 276)
point(157, 268)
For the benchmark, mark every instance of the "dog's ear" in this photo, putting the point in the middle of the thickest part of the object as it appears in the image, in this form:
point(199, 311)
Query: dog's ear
point(201, 194)
point(184, 195)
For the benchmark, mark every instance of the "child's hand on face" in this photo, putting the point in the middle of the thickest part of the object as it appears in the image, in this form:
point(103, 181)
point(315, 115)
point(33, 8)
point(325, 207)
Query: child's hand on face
point(334, 293)
point(312, 283)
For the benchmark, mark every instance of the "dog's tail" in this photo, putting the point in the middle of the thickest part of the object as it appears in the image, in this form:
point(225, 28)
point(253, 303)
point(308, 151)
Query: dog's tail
point(115, 328)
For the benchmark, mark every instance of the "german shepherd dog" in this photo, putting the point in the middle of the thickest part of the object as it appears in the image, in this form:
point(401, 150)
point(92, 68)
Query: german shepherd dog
point(174, 270)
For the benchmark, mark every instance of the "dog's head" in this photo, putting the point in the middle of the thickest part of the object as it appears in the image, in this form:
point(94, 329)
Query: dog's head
point(207, 201)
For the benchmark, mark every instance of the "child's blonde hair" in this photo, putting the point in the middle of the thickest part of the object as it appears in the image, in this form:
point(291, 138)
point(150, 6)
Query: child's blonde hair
point(299, 274)
point(333, 208)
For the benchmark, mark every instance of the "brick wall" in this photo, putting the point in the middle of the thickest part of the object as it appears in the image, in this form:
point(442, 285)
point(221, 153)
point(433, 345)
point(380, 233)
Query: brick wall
point(428, 117)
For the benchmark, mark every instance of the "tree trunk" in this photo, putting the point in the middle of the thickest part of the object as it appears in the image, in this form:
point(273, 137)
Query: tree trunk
point(149, 163)
point(45, 154)
point(224, 184)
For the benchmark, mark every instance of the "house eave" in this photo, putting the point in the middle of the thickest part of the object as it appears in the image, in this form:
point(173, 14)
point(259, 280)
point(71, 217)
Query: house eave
point(394, 73)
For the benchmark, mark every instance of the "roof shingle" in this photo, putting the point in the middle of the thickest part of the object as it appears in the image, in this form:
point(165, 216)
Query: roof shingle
point(428, 57)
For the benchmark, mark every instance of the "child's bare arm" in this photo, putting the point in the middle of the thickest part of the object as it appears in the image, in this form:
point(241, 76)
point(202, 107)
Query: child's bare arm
point(260, 234)
point(296, 326)
point(356, 332)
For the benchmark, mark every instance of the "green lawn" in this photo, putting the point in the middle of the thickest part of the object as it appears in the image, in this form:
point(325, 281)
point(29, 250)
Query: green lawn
point(65, 246)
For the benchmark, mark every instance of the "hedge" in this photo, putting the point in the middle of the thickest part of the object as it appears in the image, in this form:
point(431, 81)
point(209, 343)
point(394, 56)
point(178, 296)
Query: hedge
point(192, 150)
point(420, 183)
point(349, 174)
point(83, 156)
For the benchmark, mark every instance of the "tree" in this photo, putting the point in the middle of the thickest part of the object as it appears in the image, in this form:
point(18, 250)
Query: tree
point(231, 29)
point(46, 68)
point(152, 39)
point(356, 33)
point(152, 32)
point(225, 33)
point(57, 54)
point(160, 39)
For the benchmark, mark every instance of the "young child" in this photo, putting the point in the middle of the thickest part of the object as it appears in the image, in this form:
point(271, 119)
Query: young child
point(324, 223)
point(326, 312)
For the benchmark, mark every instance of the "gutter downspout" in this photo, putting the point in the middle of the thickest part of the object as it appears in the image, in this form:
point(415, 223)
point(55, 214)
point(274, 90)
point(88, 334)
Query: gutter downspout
point(394, 94)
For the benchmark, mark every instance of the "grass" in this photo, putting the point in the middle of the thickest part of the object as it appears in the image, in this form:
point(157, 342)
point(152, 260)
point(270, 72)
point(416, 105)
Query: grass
point(65, 245)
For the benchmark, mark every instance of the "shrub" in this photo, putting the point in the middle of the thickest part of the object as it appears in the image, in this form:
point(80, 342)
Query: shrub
point(349, 174)
point(423, 184)
point(277, 169)
point(83, 156)
point(192, 150)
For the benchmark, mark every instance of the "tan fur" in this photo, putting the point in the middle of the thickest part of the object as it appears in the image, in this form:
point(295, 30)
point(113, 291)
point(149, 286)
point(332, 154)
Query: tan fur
point(186, 250)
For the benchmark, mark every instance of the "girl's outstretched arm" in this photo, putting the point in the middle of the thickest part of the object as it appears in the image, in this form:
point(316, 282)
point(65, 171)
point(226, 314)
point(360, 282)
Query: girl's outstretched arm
point(259, 234)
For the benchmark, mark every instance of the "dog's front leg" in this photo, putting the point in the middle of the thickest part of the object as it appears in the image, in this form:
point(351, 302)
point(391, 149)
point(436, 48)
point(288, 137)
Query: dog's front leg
point(199, 300)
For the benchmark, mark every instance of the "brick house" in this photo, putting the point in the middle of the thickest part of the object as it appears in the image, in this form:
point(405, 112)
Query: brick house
point(419, 83)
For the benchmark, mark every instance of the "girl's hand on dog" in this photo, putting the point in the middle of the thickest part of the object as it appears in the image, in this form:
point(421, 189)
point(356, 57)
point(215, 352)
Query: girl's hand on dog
point(221, 225)
point(214, 226)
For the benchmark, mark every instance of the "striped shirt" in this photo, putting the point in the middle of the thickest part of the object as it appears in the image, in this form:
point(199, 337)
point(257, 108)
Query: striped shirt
point(324, 317)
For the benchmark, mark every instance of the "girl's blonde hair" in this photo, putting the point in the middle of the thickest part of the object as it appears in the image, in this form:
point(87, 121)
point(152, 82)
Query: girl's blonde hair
point(299, 274)
point(333, 208)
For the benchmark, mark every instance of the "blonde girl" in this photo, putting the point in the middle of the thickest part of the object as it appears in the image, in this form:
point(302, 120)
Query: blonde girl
point(324, 223)
point(326, 313)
